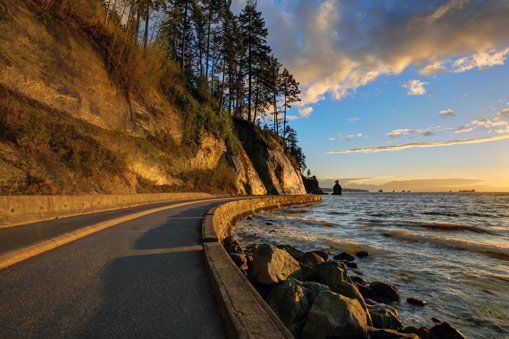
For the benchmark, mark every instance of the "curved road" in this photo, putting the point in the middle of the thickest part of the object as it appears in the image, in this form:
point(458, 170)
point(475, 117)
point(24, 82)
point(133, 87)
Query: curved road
point(141, 278)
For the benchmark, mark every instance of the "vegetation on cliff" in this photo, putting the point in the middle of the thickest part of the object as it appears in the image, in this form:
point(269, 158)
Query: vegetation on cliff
point(160, 118)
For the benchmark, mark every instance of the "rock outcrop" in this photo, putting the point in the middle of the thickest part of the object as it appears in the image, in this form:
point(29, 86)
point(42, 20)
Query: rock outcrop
point(92, 136)
point(267, 154)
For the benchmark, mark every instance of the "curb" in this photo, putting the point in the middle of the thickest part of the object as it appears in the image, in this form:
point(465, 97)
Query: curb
point(245, 313)
point(18, 255)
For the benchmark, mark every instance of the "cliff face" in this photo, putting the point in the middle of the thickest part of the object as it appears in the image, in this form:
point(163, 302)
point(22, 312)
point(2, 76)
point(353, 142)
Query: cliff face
point(67, 127)
point(270, 161)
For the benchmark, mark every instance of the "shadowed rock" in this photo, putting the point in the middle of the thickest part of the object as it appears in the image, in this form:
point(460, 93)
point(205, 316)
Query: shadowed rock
point(292, 301)
point(384, 316)
point(333, 315)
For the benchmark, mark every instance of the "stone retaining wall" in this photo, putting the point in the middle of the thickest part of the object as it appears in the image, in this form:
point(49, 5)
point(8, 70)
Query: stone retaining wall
point(244, 311)
point(15, 210)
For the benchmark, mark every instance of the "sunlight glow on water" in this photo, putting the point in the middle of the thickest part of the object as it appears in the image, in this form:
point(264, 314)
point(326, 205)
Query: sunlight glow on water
point(452, 250)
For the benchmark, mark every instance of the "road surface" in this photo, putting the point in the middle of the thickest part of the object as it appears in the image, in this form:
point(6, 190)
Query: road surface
point(141, 278)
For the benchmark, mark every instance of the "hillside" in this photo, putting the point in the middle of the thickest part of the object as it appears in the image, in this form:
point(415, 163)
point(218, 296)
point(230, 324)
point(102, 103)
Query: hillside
point(72, 122)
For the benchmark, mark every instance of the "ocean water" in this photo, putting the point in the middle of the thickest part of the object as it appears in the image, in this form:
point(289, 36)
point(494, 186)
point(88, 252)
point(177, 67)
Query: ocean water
point(450, 249)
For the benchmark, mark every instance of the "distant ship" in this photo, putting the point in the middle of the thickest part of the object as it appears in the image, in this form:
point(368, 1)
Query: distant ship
point(467, 191)
point(380, 191)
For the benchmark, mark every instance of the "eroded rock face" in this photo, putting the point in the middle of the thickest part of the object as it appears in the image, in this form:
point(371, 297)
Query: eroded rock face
point(333, 315)
point(272, 265)
point(270, 161)
point(292, 300)
point(384, 316)
point(248, 181)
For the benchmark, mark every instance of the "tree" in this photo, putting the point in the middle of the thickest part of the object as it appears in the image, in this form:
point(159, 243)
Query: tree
point(293, 148)
point(254, 37)
point(290, 91)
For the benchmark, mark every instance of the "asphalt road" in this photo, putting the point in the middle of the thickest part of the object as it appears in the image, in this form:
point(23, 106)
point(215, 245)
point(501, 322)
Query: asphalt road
point(141, 278)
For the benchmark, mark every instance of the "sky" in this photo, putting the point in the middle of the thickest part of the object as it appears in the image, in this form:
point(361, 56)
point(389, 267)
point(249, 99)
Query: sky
point(399, 95)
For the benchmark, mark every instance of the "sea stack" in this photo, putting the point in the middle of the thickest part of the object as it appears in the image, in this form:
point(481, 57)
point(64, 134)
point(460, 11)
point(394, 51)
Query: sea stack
point(337, 190)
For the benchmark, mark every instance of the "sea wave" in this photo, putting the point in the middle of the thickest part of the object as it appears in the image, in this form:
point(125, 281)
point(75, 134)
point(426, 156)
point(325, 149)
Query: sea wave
point(306, 220)
point(447, 227)
point(498, 251)
point(441, 213)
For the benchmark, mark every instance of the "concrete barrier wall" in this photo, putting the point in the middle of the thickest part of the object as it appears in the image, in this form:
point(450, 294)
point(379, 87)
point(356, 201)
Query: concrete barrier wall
point(15, 210)
point(245, 313)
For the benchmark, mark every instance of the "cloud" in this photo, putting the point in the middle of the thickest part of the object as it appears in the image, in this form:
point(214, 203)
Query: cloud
point(415, 87)
point(447, 113)
point(305, 111)
point(353, 136)
point(486, 59)
point(332, 138)
point(405, 131)
point(487, 123)
point(430, 144)
point(432, 69)
point(464, 129)
point(502, 114)
point(334, 47)
point(292, 117)
point(353, 119)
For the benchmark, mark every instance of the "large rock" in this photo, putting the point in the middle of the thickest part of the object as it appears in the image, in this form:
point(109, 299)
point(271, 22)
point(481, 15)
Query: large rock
point(292, 300)
point(296, 253)
point(272, 265)
point(384, 316)
point(445, 331)
point(311, 259)
point(378, 333)
point(333, 274)
point(383, 292)
point(333, 315)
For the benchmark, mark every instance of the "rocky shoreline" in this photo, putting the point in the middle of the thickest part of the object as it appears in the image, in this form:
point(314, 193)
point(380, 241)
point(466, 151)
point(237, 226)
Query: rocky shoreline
point(319, 294)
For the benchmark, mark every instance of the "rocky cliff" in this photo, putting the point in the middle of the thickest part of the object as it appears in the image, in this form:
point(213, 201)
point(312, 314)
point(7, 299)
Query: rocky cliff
point(67, 126)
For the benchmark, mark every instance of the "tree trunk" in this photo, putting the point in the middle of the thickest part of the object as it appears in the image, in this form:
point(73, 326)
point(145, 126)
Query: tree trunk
point(184, 31)
point(145, 34)
point(284, 120)
point(208, 44)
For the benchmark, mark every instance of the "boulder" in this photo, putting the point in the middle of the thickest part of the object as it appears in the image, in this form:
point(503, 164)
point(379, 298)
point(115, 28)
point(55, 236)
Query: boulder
point(416, 301)
point(240, 260)
point(351, 264)
point(272, 265)
point(379, 333)
point(359, 281)
point(384, 316)
point(436, 320)
point(232, 245)
point(292, 301)
point(349, 290)
point(343, 256)
point(445, 331)
point(422, 332)
point(311, 259)
point(330, 272)
point(333, 315)
point(297, 254)
point(323, 254)
point(362, 254)
point(383, 292)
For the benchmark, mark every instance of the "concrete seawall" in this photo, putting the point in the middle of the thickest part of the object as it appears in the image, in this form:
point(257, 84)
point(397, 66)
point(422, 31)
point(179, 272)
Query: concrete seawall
point(244, 311)
point(15, 210)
